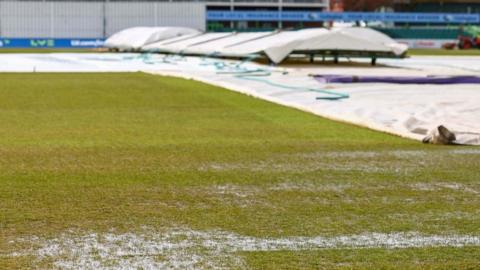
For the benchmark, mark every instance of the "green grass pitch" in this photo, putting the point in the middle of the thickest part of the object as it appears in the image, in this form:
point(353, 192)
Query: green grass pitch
point(125, 151)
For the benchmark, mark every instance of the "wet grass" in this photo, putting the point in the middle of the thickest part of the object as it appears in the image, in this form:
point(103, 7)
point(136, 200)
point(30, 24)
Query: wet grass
point(405, 259)
point(92, 152)
point(444, 52)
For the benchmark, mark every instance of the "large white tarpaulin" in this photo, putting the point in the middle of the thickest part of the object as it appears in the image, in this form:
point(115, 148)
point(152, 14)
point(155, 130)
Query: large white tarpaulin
point(276, 45)
point(136, 37)
point(183, 46)
point(405, 110)
point(353, 39)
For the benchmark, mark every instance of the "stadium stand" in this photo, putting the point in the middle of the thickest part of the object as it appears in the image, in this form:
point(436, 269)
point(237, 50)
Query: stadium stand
point(440, 31)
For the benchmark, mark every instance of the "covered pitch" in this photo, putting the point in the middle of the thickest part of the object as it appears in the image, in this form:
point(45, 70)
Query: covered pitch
point(276, 45)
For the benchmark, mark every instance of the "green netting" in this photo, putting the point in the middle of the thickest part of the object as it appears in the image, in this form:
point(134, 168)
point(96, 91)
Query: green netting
point(421, 33)
point(448, 7)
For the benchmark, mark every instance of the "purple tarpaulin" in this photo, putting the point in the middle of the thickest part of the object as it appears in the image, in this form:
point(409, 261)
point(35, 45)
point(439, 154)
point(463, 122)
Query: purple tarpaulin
point(398, 79)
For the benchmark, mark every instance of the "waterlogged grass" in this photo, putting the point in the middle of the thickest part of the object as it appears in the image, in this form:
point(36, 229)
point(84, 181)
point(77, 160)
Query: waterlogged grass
point(83, 153)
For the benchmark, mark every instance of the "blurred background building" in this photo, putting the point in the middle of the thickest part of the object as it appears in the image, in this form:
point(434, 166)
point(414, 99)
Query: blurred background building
point(446, 6)
point(418, 22)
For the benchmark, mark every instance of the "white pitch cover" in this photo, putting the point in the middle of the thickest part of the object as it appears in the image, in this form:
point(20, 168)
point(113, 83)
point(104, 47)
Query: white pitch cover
point(136, 37)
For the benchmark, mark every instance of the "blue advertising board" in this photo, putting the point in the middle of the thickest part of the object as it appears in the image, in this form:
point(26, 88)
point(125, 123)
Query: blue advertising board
point(304, 16)
point(50, 43)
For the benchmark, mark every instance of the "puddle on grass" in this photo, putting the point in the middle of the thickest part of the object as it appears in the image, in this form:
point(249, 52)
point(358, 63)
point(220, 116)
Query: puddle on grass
point(190, 249)
point(466, 151)
point(437, 186)
point(396, 161)
point(310, 166)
